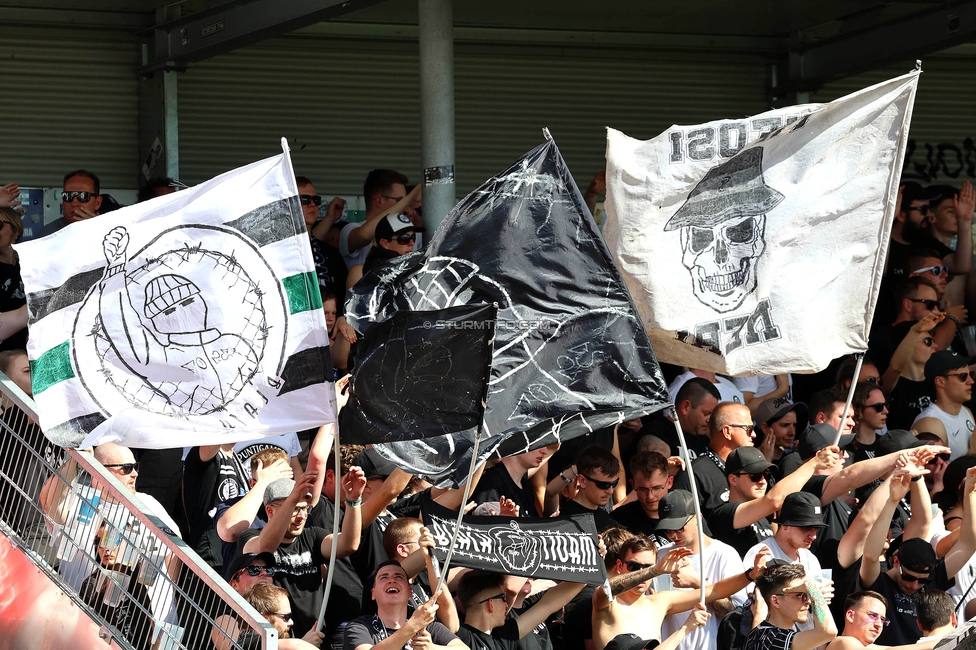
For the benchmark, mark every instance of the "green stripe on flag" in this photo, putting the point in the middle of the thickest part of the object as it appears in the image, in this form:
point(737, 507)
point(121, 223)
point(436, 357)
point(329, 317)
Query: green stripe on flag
point(303, 292)
point(51, 367)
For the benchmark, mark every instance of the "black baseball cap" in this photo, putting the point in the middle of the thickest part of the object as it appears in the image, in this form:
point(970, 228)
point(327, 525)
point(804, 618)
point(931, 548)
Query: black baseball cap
point(247, 559)
point(916, 554)
point(943, 361)
point(631, 642)
point(676, 508)
point(818, 436)
point(746, 459)
point(897, 440)
point(373, 464)
point(801, 509)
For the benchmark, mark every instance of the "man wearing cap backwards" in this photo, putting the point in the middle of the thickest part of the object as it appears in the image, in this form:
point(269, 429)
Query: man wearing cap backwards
point(792, 597)
point(393, 627)
point(915, 565)
point(677, 510)
point(864, 619)
point(948, 417)
point(742, 522)
point(301, 551)
point(633, 610)
point(730, 428)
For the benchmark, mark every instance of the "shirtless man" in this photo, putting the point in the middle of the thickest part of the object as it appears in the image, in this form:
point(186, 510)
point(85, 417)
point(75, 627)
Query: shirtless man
point(631, 610)
point(863, 621)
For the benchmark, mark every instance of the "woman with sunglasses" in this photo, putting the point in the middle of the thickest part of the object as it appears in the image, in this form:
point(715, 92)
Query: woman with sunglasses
point(870, 417)
point(12, 295)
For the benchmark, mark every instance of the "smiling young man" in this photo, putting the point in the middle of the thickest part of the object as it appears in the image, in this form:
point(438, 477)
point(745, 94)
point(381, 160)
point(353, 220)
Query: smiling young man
point(393, 627)
point(791, 598)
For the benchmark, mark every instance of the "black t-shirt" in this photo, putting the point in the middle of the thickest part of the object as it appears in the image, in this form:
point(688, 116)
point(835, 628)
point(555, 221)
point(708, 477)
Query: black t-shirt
point(908, 399)
point(633, 518)
point(205, 484)
point(346, 597)
point(769, 637)
point(371, 553)
point(845, 582)
point(229, 549)
point(723, 528)
point(369, 630)
point(12, 296)
point(497, 482)
point(504, 637)
point(836, 515)
point(538, 638)
point(903, 629)
point(600, 515)
point(710, 479)
point(578, 620)
point(161, 476)
point(330, 269)
point(299, 571)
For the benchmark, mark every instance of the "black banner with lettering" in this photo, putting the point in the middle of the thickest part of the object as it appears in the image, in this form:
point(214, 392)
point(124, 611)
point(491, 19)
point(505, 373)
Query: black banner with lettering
point(562, 549)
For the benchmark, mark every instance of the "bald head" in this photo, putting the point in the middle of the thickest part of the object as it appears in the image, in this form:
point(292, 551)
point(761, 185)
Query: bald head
point(117, 459)
point(728, 413)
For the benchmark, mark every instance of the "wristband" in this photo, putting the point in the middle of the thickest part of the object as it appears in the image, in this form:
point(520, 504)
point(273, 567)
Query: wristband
point(749, 577)
point(565, 479)
point(357, 502)
point(916, 479)
point(954, 320)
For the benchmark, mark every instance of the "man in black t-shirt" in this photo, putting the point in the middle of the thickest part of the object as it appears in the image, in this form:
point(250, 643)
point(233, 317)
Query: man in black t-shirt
point(509, 478)
point(598, 473)
point(391, 592)
point(300, 550)
point(485, 624)
point(650, 482)
point(211, 475)
point(742, 522)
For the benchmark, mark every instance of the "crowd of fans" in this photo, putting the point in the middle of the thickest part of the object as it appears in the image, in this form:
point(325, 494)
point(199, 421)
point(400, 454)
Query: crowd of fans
point(817, 529)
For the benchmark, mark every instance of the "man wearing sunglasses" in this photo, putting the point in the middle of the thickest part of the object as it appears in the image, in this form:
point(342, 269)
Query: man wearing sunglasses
point(385, 193)
point(598, 473)
point(948, 417)
point(742, 522)
point(329, 265)
point(395, 236)
point(914, 564)
point(864, 620)
point(791, 597)
point(80, 200)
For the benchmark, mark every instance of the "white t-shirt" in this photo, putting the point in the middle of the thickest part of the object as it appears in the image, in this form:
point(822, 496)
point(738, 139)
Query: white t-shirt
point(760, 386)
point(721, 561)
point(959, 427)
point(726, 388)
point(809, 561)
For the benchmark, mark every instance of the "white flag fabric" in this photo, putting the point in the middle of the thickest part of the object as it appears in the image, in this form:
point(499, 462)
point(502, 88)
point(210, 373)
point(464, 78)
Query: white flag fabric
point(194, 318)
point(756, 246)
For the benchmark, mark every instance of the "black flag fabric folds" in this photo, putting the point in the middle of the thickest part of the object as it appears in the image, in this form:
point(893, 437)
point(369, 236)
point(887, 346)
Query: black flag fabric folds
point(419, 375)
point(551, 548)
point(570, 354)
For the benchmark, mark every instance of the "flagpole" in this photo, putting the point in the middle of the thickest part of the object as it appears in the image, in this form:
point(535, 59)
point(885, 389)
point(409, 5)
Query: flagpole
point(335, 525)
point(694, 494)
point(464, 501)
point(850, 397)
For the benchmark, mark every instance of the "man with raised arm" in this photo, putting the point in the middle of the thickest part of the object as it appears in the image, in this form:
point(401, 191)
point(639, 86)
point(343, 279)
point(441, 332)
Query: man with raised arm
point(791, 598)
point(632, 610)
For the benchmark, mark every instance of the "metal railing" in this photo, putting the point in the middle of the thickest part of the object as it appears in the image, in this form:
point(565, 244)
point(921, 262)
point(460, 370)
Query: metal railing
point(119, 560)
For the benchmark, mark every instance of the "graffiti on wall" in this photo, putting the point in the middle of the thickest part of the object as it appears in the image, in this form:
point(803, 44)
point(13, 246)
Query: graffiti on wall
point(946, 161)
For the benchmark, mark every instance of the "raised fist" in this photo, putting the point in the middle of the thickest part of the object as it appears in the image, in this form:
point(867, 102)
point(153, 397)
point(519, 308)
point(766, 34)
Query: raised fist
point(115, 244)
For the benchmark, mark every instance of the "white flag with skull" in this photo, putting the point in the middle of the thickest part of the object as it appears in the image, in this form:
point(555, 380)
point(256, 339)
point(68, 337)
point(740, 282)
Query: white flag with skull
point(756, 246)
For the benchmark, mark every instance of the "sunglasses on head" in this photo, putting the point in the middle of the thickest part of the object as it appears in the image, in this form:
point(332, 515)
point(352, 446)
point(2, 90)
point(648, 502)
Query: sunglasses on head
point(310, 198)
point(84, 197)
point(603, 485)
point(636, 566)
point(942, 269)
point(755, 477)
point(406, 239)
point(931, 305)
point(127, 468)
point(255, 571)
point(879, 407)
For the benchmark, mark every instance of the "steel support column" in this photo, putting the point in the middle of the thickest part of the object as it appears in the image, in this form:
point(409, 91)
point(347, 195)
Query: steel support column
point(437, 108)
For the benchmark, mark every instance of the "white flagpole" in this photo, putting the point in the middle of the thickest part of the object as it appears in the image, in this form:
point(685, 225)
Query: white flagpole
point(464, 501)
point(850, 397)
point(335, 525)
point(694, 494)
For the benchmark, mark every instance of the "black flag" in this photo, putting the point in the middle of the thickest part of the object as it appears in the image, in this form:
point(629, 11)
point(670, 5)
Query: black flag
point(570, 354)
point(420, 375)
